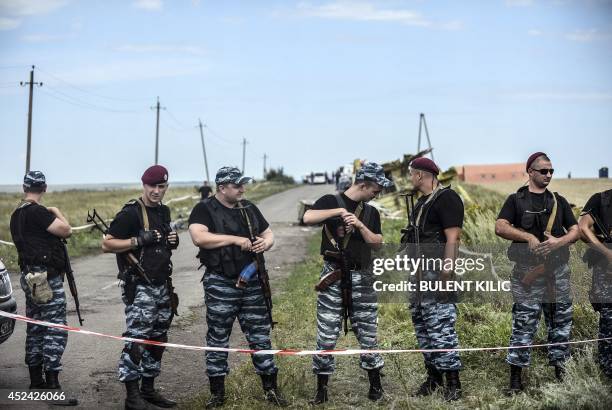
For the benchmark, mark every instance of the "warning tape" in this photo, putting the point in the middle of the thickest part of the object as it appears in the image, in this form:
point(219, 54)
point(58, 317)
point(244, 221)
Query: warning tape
point(287, 352)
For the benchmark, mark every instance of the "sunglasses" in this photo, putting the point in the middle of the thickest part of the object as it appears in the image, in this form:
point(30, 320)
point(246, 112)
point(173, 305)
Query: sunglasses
point(544, 171)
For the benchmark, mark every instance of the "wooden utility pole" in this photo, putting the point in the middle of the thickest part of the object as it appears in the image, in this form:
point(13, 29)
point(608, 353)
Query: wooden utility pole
point(31, 83)
point(204, 150)
point(157, 107)
point(244, 142)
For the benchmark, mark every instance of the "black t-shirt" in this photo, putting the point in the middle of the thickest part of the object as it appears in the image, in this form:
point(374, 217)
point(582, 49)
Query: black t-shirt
point(205, 191)
point(127, 222)
point(356, 245)
point(446, 211)
point(508, 211)
point(593, 206)
point(37, 240)
point(201, 215)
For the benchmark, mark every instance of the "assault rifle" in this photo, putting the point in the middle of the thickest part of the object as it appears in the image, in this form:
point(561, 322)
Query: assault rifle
point(262, 272)
point(71, 282)
point(410, 235)
point(129, 258)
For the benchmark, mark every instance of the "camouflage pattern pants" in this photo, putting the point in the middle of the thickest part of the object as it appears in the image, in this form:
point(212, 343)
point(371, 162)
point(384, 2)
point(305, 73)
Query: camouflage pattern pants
point(364, 321)
point(529, 303)
point(45, 345)
point(224, 302)
point(434, 326)
point(601, 293)
point(148, 317)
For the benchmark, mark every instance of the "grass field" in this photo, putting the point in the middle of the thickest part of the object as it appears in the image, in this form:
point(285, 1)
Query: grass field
point(485, 374)
point(74, 205)
point(577, 191)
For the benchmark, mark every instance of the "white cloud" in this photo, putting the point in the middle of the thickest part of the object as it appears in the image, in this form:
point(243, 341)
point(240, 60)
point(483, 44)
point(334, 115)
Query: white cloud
point(151, 5)
point(564, 96)
point(519, 3)
point(45, 38)
point(159, 48)
point(587, 35)
point(9, 23)
point(361, 11)
point(534, 32)
point(30, 7)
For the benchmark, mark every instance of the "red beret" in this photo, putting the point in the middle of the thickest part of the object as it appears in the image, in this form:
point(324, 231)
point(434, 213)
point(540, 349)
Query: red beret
point(425, 164)
point(532, 158)
point(155, 175)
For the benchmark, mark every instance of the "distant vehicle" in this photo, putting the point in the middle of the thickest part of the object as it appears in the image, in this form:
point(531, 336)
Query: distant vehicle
point(7, 304)
point(319, 178)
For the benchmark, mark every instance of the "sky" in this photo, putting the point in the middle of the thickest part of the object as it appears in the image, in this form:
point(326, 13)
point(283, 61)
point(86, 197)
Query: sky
point(311, 84)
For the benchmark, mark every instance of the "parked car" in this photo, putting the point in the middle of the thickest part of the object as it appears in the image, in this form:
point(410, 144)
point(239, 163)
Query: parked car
point(7, 304)
point(319, 178)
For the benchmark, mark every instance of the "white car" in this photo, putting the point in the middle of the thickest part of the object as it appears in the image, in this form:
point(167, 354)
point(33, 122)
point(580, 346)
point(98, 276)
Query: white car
point(319, 178)
point(7, 303)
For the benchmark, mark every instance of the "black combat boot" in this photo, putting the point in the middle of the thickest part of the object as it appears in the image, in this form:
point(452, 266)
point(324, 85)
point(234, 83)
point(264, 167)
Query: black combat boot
point(560, 372)
point(433, 381)
point(148, 392)
point(452, 390)
point(52, 378)
point(133, 399)
point(516, 384)
point(217, 392)
point(376, 390)
point(271, 391)
point(321, 394)
point(36, 377)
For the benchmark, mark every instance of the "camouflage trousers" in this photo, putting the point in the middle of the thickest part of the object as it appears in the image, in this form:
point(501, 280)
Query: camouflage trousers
point(45, 345)
point(529, 303)
point(601, 293)
point(148, 317)
point(364, 321)
point(434, 326)
point(224, 302)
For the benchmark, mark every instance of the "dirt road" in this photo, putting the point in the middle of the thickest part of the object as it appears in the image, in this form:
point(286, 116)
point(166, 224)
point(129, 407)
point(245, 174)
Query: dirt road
point(90, 363)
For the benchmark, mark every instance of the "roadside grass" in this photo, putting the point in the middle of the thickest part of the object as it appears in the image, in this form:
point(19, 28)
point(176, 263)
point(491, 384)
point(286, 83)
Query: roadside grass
point(74, 204)
point(485, 374)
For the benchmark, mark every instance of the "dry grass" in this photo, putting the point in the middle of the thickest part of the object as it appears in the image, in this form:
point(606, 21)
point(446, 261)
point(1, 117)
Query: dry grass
point(577, 191)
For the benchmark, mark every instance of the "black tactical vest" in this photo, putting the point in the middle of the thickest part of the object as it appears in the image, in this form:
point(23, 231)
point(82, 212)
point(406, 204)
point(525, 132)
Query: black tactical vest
point(34, 251)
point(536, 225)
point(606, 210)
point(433, 234)
point(155, 258)
point(228, 260)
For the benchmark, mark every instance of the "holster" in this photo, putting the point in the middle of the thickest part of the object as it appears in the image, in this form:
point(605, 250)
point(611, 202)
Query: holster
point(328, 279)
point(129, 285)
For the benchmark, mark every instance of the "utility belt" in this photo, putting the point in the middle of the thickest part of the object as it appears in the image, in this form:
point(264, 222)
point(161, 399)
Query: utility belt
point(131, 280)
point(37, 278)
point(351, 265)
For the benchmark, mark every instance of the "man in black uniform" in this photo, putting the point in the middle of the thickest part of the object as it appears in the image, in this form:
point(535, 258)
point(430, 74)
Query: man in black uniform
point(347, 215)
point(438, 217)
point(141, 233)
point(38, 233)
point(221, 226)
point(205, 190)
point(596, 227)
point(536, 221)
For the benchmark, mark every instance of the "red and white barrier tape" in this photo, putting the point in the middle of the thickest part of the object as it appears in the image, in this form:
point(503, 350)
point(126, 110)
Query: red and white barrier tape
point(286, 352)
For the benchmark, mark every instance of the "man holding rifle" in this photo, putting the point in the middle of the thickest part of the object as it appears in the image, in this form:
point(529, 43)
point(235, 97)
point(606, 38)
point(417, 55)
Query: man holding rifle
point(351, 228)
point(38, 233)
point(434, 231)
point(596, 227)
point(541, 226)
point(141, 237)
point(232, 235)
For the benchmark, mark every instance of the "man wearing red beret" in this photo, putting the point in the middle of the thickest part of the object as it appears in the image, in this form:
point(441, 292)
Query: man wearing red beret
point(142, 230)
point(437, 220)
point(536, 221)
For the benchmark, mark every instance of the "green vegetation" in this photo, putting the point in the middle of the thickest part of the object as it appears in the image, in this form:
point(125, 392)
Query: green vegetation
point(75, 204)
point(485, 374)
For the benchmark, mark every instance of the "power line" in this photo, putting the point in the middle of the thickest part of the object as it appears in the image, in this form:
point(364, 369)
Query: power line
point(76, 103)
point(93, 106)
point(213, 132)
point(76, 87)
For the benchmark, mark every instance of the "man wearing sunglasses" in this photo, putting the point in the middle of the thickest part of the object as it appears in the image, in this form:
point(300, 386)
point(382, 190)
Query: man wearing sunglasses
point(541, 226)
point(221, 226)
